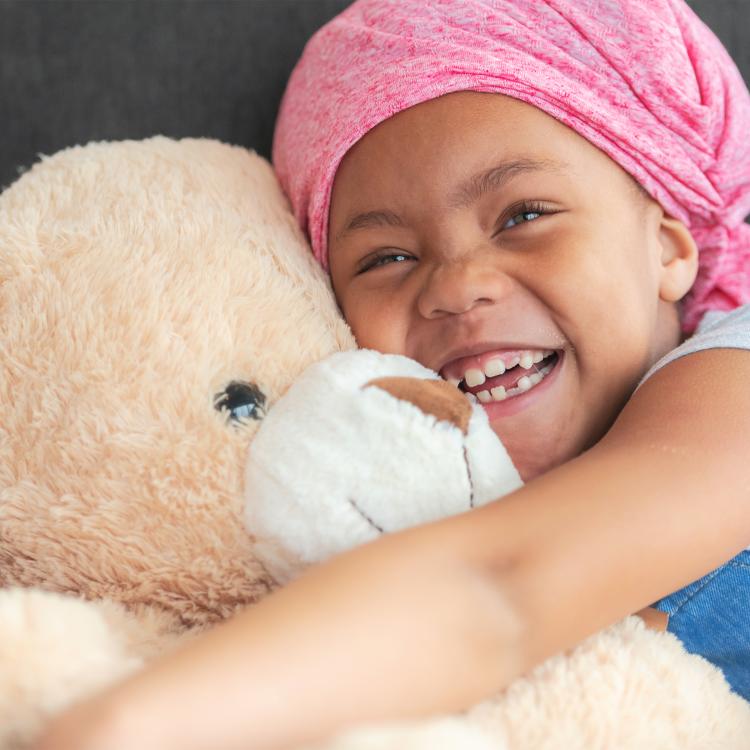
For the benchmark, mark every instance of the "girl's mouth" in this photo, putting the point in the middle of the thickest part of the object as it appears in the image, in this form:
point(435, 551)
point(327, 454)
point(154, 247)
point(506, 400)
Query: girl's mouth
point(497, 377)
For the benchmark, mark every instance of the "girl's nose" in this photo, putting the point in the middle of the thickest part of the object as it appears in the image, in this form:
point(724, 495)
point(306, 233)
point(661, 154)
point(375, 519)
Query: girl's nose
point(461, 286)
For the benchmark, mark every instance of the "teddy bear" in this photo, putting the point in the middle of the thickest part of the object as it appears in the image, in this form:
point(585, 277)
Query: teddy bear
point(177, 387)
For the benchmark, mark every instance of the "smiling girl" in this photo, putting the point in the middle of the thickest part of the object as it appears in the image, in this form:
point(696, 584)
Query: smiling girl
point(519, 194)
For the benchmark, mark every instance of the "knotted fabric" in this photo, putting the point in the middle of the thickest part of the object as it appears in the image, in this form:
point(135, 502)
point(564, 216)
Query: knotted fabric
point(643, 80)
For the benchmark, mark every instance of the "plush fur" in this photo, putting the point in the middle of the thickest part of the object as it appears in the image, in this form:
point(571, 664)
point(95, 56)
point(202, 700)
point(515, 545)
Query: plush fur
point(138, 280)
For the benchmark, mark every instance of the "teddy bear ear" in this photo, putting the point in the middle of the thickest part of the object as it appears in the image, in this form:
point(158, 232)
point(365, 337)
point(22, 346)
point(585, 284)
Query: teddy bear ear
point(436, 397)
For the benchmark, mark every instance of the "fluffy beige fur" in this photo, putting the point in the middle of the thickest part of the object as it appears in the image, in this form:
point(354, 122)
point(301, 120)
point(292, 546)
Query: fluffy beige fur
point(136, 281)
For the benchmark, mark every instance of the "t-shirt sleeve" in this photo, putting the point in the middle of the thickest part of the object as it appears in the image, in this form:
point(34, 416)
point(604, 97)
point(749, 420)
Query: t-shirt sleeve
point(717, 330)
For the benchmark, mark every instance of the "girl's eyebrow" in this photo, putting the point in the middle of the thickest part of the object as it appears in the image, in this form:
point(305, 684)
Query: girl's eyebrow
point(369, 219)
point(495, 177)
point(466, 193)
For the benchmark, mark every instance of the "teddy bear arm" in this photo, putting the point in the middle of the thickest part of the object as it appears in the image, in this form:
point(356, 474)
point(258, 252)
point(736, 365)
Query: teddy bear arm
point(56, 649)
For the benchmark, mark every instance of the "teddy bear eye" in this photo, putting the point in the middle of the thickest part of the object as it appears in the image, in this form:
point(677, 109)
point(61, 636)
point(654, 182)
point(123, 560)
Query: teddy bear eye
point(243, 401)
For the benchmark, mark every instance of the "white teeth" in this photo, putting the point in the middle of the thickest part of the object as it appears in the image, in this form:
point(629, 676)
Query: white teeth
point(472, 398)
point(496, 394)
point(527, 360)
point(473, 378)
point(494, 368)
point(499, 394)
point(524, 383)
point(529, 381)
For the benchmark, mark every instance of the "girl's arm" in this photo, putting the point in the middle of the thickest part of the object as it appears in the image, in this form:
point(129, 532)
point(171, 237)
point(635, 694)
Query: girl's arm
point(438, 617)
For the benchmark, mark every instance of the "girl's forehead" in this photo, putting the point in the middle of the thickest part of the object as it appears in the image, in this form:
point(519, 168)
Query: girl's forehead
point(471, 139)
point(430, 164)
point(467, 113)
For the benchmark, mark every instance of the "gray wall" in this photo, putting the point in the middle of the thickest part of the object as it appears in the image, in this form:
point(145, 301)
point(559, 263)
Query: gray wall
point(79, 70)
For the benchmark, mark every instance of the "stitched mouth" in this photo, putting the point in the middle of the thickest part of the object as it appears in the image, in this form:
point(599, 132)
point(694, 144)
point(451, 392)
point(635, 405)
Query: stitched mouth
point(367, 518)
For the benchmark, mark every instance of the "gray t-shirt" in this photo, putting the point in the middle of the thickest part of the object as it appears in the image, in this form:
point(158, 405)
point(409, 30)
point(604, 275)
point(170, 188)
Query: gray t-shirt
point(717, 330)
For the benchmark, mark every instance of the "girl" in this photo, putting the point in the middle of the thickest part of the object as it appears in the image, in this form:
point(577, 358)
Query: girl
point(492, 183)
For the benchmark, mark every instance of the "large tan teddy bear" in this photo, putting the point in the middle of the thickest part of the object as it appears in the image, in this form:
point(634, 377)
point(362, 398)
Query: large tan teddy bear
point(168, 455)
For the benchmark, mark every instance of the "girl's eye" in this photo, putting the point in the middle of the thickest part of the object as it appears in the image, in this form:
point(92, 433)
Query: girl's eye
point(523, 214)
point(522, 218)
point(385, 258)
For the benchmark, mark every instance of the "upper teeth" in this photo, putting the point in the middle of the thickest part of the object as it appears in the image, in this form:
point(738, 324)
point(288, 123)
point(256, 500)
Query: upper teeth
point(497, 366)
point(474, 377)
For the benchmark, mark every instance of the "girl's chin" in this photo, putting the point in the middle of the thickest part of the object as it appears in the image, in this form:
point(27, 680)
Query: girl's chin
point(532, 467)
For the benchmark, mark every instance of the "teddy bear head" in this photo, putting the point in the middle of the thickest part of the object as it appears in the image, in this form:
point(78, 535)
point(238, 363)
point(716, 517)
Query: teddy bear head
point(156, 298)
point(365, 444)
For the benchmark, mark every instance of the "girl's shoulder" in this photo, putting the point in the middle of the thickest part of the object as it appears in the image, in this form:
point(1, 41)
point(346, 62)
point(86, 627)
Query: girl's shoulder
point(717, 330)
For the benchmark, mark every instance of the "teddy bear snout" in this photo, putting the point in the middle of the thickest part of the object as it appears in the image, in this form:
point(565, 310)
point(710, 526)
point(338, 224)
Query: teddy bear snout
point(436, 397)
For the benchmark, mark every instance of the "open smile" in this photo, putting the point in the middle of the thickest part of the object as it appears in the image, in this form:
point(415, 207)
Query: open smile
point(494, 377)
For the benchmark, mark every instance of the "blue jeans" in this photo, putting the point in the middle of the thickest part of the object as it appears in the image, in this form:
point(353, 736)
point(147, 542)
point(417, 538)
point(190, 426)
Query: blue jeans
point(712, 618)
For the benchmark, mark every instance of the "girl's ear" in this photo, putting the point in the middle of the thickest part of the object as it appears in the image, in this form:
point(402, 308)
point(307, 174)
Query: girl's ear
point(679, 259)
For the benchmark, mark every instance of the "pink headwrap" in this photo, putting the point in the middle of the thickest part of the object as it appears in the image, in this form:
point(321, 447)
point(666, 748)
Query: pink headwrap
point(643, 80)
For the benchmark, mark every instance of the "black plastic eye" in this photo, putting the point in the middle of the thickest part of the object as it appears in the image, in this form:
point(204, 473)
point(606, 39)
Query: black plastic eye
point(243, 401)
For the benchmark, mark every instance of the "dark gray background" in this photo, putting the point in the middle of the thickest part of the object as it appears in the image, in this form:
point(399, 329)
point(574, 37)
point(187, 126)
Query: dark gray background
point(80, 70)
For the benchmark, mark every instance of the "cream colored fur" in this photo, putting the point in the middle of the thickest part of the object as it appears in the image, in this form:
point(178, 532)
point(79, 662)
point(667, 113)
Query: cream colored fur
point(136, 281)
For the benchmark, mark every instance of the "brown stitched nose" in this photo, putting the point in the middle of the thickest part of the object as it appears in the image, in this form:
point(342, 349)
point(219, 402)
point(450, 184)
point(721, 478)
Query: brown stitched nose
point(437, 397)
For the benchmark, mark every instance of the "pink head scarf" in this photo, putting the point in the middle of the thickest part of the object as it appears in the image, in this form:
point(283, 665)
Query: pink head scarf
point(643, 80)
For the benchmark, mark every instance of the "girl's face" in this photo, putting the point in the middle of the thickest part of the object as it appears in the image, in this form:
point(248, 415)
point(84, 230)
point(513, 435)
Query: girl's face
point(481, 237)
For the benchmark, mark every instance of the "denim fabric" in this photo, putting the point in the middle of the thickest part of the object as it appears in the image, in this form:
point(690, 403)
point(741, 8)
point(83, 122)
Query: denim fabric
point(712, 618)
